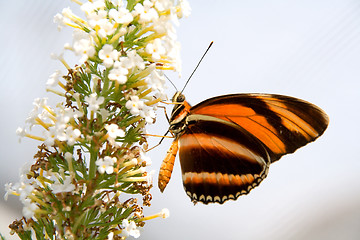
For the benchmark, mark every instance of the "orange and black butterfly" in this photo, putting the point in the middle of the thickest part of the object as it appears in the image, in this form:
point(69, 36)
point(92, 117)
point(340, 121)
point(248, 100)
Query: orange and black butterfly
point(227, 143)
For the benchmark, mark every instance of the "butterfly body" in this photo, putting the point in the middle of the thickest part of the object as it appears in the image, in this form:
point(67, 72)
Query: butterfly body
point(227, 143)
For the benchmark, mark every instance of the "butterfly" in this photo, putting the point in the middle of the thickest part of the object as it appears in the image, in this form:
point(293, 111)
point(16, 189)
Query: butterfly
point(227, 143)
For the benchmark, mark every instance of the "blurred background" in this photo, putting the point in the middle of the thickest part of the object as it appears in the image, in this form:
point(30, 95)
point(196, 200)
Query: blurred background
point(302, 48)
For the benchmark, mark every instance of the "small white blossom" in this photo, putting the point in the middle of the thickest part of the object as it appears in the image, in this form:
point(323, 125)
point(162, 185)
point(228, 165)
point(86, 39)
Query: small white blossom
point(105, 28)
point(65, 186)
point(165, 213)
point(133, 60)
point(129, 229)
point(118, 73)
point(90, 7)
point(68, 114)
point(21, 133)
point(83, 45)
point(106, 164)
point(10, 189)
point(25, 190)
point(135, 105)
point(50, 137)
point(29, 209)
point(72, 135)
point(60, 20)
point(54, 79)
point(185, 9)
point(95, 19)
point(149, 114)
point(149, 177)
point(146, 12)
point(156, 49)
point(94, 102)
point(145, 158)
point(114, 131)
point(156, 80)
point(108, 54)
point(122, 16)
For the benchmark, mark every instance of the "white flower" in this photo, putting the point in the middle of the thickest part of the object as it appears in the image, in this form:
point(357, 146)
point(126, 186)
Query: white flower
point(133, 60)
point(94, 102)
point(60, 20)
point(114, 131)
point(156, 80)
point(50, 137)
point(54, 79)
point(122, 16)
point(29, 209)
point(105, 28)
point(185, 9)
point(106, 164)
point(146, 11)
point(149, 177)
point(68, 114)
point(145, 158)
point(134, 105)
point(108, 54)
point(129, 229)
point(148, 114)
point(156, 49)
point(10, 189)
point(162, 25)
point(162, 5)
point(21, 133)
point(90, 7)
point(72, 135)
point(25, 190)
point(83, 45)
point(165, 213)
point(118, 73)
point(95, 19)
point(65, 186)
point(40, 103)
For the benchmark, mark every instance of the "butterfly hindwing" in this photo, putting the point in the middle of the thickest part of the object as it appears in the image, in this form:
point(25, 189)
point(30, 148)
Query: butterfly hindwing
point(219, 160)
point(283, 124)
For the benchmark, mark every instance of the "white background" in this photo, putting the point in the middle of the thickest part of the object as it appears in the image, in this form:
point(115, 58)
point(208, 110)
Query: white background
point(306, 49)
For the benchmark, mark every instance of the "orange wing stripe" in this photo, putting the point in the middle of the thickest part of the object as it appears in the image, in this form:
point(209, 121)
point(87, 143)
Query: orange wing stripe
point(281, 123)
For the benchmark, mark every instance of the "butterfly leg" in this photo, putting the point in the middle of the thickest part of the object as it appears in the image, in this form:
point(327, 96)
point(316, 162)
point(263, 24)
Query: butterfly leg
point(167, 117)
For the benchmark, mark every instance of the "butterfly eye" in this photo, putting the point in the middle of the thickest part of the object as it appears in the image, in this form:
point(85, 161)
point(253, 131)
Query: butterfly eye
point(180, 98)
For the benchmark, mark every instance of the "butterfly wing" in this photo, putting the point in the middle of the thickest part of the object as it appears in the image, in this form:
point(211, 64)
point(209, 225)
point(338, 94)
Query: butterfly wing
point(219, 160)
point(283, 124)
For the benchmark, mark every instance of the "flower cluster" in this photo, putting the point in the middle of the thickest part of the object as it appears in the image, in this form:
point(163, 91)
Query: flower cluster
point(93, 150)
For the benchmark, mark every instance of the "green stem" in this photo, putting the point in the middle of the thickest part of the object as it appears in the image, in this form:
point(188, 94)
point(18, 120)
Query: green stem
point(93, 158)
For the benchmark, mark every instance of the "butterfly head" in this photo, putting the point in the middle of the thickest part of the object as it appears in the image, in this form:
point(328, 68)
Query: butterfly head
point(180, 111)
point(178, 98)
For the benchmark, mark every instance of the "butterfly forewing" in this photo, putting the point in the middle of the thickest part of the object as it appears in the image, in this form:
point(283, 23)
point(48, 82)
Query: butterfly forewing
point(219, 160)
point(283, 124)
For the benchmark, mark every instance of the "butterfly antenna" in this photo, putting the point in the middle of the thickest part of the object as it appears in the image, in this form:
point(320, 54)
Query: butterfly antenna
point(197, 66)
point(171, 82)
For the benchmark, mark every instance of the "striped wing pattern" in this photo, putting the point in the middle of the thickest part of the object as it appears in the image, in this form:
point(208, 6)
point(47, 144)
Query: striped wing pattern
point(227, 143)
point(220, 161)
point(283, 124)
